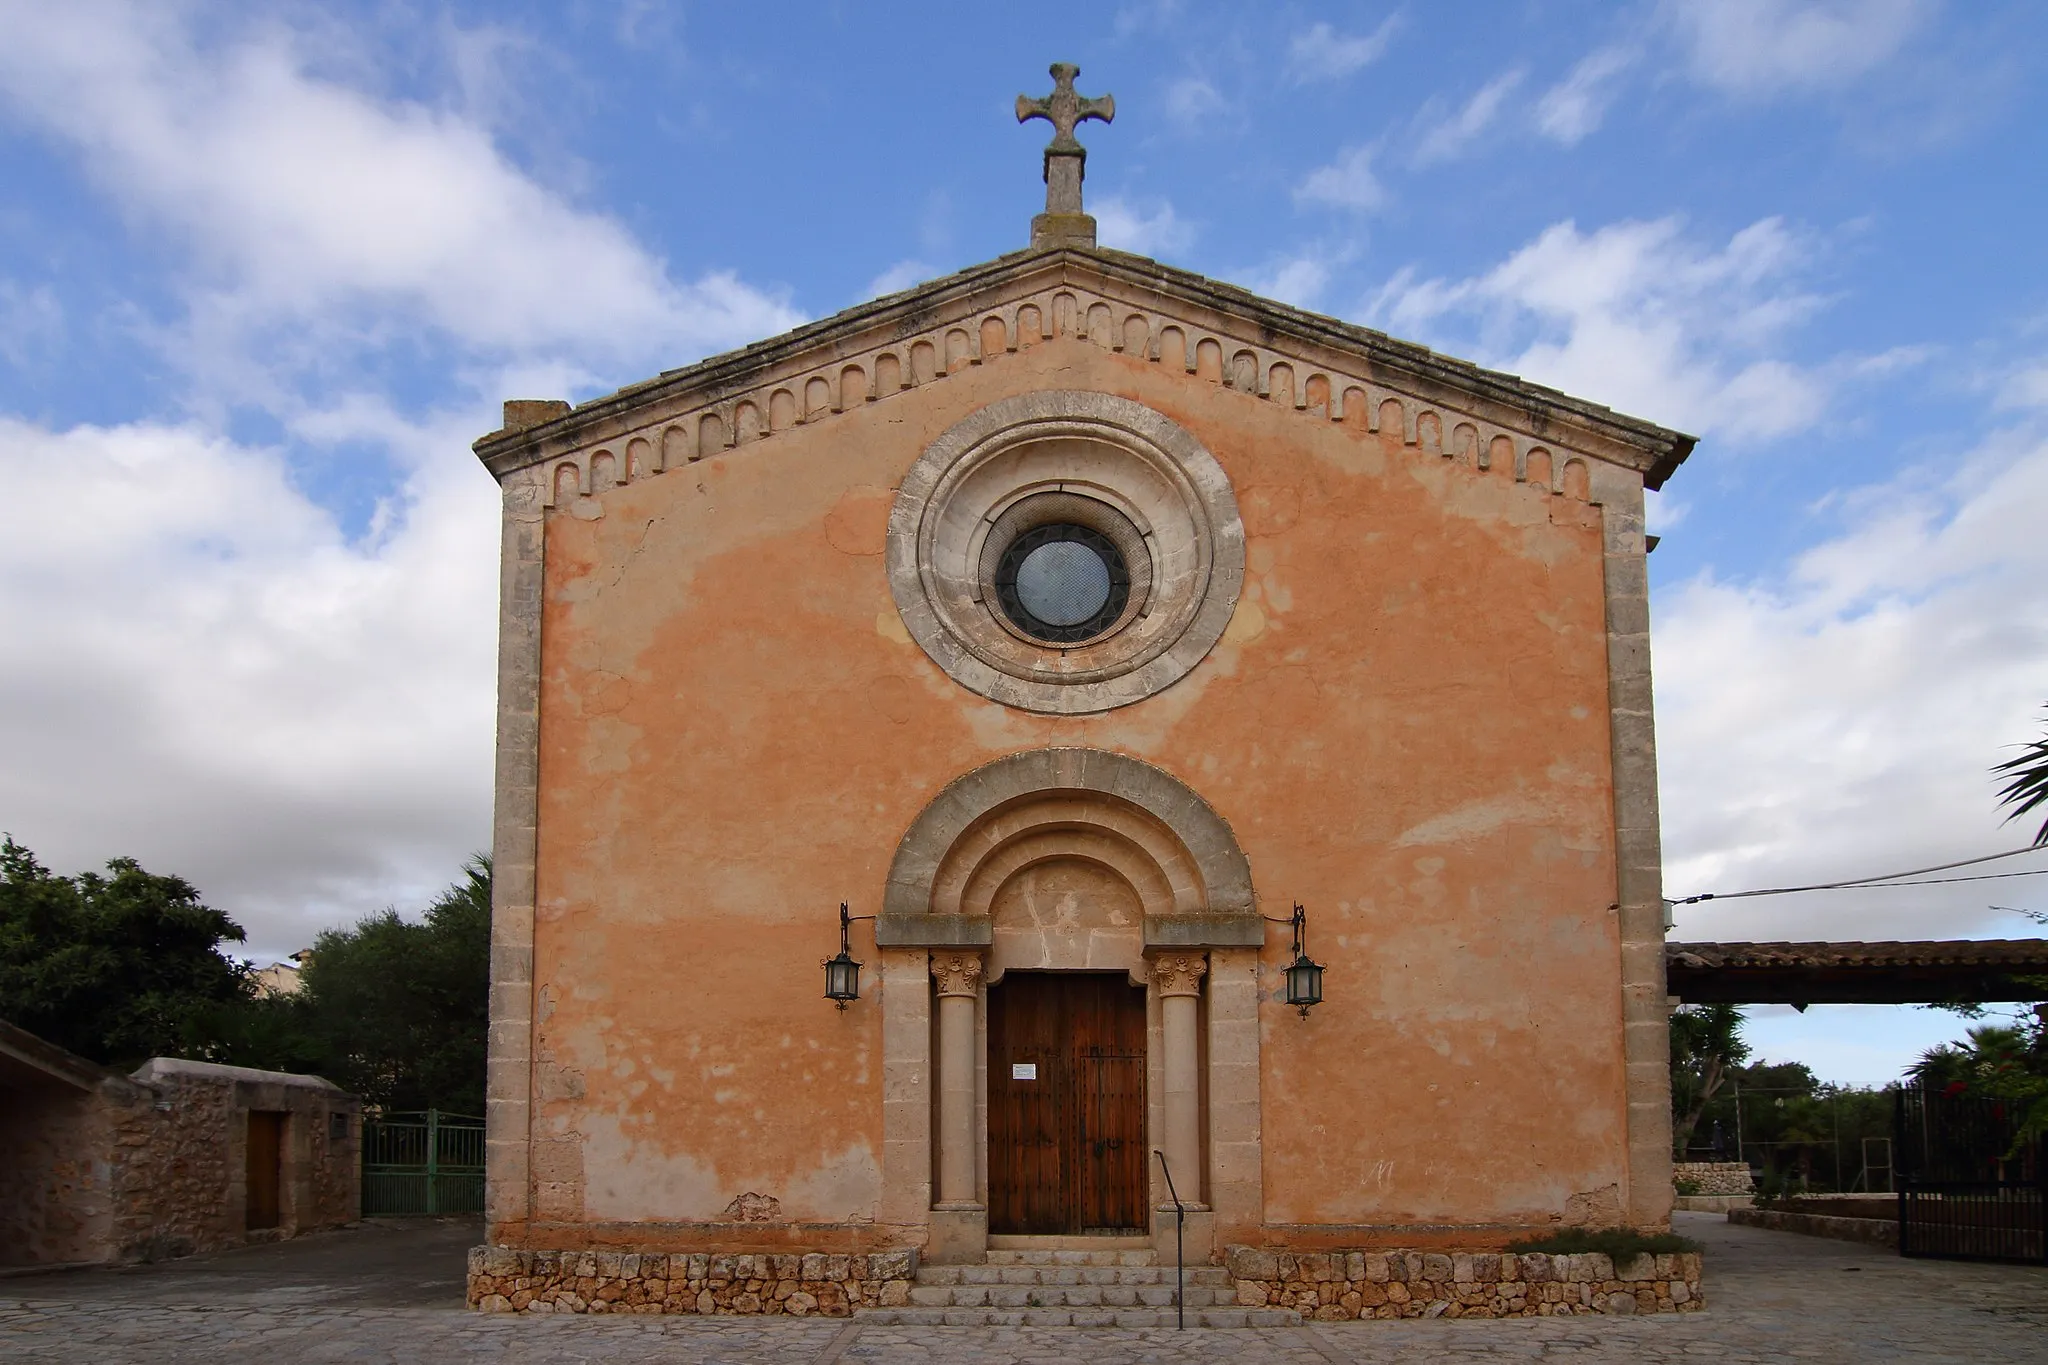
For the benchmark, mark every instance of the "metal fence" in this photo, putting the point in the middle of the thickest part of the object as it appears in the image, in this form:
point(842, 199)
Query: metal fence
point(422, 1162)
point(1967, 1189)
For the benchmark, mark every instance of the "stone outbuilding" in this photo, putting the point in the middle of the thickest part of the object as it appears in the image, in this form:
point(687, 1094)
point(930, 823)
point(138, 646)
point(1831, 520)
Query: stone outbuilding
point(1119, 647)
point(177, 1157)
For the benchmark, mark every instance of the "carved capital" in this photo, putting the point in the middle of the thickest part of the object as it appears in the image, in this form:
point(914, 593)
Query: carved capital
point(957, 973)
point(1179, 973)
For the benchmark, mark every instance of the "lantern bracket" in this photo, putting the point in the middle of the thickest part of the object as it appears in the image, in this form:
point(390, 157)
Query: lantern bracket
point(1304, 976)
point(842, 973)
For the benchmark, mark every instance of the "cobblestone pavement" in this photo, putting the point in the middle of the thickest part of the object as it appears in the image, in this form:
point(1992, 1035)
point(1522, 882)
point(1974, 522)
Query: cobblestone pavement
point(385, 1294)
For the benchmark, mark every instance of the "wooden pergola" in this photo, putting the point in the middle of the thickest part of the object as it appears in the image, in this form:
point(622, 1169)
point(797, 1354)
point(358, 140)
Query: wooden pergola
point(1929, 972)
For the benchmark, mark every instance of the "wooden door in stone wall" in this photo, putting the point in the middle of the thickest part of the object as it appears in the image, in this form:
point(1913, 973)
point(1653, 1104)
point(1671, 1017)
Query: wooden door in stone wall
point(1066, 1103)
point(265, 1167)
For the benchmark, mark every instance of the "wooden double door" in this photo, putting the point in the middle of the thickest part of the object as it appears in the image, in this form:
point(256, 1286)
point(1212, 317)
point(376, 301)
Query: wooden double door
point(1066, 1104)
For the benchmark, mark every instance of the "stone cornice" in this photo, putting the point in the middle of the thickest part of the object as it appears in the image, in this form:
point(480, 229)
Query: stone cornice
point(1317, 365)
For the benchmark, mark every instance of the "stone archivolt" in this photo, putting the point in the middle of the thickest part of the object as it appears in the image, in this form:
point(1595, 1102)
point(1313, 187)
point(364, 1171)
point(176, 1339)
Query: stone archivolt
point(1137, 821)
point(1322, 370)
point(1125, 838)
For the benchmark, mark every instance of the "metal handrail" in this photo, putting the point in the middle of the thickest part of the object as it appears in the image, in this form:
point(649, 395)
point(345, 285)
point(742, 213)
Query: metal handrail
point(1180, 1222)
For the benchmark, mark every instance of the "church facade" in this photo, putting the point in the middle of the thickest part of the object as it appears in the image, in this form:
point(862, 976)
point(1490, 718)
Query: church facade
point(1072, 620)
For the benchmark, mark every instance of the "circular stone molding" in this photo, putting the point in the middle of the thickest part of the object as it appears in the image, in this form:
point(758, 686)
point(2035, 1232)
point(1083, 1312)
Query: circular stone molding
point(1058, 464)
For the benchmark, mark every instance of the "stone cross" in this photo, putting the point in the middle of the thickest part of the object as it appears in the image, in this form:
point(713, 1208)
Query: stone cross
point(1066, 160)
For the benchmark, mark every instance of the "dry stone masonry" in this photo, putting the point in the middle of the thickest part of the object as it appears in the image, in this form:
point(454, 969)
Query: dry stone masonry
point(508, 1281)
point(97, 1167)
point(1341, 1286)
point(1712, 1177)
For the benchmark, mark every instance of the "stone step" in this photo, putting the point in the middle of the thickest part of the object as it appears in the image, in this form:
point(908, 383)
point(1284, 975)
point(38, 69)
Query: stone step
point(1130, 1256)
point(1067, 1274)
point(1064, 1296)
point(1077, 1317)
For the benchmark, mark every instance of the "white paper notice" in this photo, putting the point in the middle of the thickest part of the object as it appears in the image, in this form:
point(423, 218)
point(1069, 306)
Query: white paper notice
point(1024, 1071)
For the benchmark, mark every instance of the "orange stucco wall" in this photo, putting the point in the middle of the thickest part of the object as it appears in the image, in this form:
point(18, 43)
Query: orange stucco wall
point(1405, 726)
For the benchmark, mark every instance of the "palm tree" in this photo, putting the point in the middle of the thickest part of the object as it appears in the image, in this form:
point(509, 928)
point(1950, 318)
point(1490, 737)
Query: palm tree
point(1989, 1055)
point(2027, 789)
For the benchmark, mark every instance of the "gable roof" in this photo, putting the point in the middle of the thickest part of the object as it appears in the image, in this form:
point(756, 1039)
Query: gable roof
point(1251, 333)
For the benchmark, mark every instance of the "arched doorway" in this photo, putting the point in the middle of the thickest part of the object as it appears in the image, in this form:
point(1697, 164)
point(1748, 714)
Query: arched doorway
point(1071, 901)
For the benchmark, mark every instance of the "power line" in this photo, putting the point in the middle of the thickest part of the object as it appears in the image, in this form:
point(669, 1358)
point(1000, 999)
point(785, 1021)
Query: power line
point(1888, 879)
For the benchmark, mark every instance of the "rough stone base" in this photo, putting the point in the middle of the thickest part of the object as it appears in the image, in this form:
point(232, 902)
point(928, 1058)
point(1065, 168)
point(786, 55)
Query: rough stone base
point(502, 1280)
point(959, 1236)
point(1339, 1286)
point(1195, 1240)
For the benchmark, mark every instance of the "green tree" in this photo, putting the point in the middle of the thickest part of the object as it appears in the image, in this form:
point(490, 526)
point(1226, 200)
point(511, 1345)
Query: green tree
point(2026, 788)
point(397, 1012)
point(1706, 1040)
point(118, 968)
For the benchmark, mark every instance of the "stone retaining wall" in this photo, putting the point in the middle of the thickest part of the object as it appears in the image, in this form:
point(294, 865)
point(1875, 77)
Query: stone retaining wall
point(1710, 1203)
point(503, 1280)
point(1713, 1177)
point(1883, 1232)
point(1343, 1285)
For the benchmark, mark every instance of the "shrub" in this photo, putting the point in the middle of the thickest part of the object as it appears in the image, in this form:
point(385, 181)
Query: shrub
point(1616, 1243)
point(1685, 1184)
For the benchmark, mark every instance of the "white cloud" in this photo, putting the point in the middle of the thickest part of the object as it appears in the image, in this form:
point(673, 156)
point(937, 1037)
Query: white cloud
point(1320, 53)
point(1148, 15)
point(31, 325)
point(2025, 387)
point(307, 204)
point(1759, 48)
point(1573, 109)
point(1637, 316)
point(1152, 229)
point(202, 672)
point(1348, 182)
point(1662, 512)
point(1299, 280)
point(1445, 137)
point(1190, 100)
point(1842, 720)
point(899, 277)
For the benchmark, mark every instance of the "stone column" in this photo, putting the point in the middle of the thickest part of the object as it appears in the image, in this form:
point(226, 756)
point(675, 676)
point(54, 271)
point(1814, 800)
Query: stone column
point(1178, 977)
point(959, 978)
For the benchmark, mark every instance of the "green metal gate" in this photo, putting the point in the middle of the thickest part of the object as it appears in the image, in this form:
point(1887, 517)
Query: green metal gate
point(422, 1162)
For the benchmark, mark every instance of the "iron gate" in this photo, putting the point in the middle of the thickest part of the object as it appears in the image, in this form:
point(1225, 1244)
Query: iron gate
point(422, 1162)
point(1967, 1189)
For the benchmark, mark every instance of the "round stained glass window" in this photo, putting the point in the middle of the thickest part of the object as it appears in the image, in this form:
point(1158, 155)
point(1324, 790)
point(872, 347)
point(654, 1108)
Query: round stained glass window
point(1062, 583)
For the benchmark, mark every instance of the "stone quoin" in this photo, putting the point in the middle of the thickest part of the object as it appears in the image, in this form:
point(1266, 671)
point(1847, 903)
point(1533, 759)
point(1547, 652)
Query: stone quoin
point(1071, 618)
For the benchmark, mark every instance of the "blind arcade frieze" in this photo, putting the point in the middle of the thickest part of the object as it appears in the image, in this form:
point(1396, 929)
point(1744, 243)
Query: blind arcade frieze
point(1460, 434)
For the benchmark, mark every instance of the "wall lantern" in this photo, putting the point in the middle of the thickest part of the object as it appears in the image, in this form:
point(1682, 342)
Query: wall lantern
point(842, 973)
point(1304, 978)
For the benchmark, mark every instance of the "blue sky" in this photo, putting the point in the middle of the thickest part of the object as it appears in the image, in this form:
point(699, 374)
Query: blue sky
point(265, 270)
